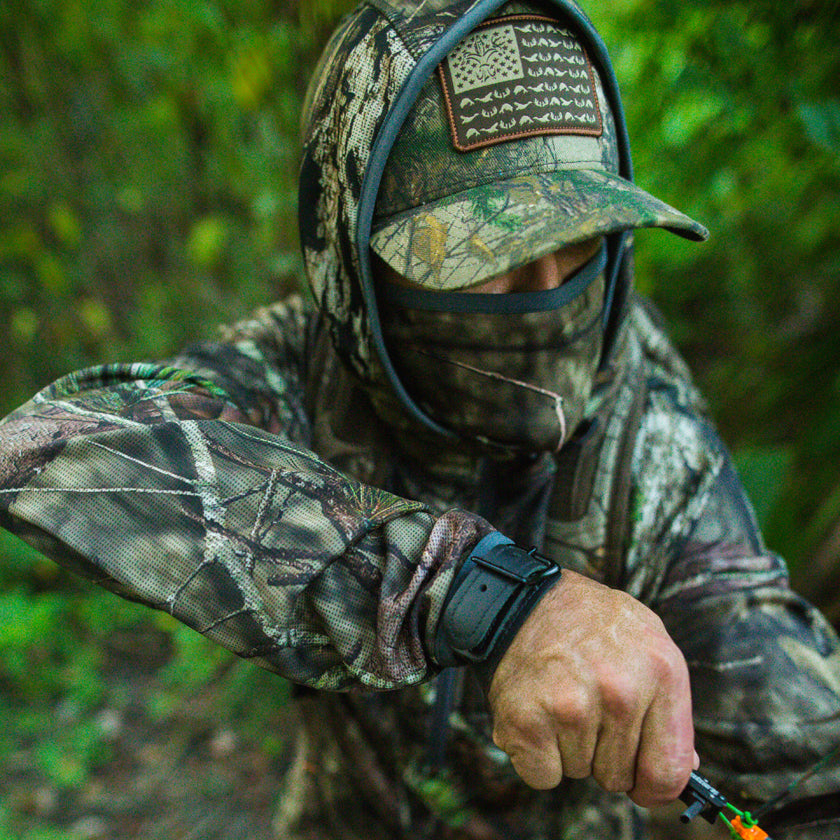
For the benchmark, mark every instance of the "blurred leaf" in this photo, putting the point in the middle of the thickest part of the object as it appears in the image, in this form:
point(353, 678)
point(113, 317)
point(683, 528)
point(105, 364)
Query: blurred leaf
point(251, 77)
point(51, 274)
point(822, 123)
point(130, 199)
point(65, 225)
point(95, 317)
point(24, 323)
point(764, 472)
point(20, 240)
point(688, 116)
point(207, 241)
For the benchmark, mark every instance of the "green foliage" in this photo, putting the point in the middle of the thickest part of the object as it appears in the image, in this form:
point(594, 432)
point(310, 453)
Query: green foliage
point(734, 114)
point(38, 833)
point(148, 159)
point(148, 162)
point(73, 660)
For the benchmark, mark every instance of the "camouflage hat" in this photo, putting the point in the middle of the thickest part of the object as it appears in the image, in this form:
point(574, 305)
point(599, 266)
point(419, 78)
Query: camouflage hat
point(509, 153)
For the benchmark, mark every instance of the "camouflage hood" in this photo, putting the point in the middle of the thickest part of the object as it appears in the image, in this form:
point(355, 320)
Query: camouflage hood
point(373, 78)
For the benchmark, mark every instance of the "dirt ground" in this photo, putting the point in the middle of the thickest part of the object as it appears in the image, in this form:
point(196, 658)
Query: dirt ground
point(162, 786)
point(190, 782)
point(181, 773)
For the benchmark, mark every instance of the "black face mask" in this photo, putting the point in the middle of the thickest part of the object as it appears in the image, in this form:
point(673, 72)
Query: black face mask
point(515, 370)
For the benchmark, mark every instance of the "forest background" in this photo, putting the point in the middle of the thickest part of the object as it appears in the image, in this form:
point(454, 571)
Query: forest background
point(148, 164)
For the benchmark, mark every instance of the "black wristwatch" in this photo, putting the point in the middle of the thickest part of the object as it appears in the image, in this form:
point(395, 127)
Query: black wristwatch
point(493, 593)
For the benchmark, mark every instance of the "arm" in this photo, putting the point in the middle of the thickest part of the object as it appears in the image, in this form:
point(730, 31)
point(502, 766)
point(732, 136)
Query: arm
point(764, 664)
point(592, 685)
point(765, 667)
point(704, 601)
point(154, 481)
point(608, 692)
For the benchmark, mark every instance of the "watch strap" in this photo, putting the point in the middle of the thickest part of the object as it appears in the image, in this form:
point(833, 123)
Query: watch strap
point(494, 591)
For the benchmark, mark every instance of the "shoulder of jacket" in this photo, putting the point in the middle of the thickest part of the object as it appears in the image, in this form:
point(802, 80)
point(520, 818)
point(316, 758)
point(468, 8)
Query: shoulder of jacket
point(665, 369)
point(285, 320)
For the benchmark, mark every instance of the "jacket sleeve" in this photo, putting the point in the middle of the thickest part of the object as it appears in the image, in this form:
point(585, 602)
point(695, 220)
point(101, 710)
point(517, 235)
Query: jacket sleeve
point(189, 486)
point(764, 663)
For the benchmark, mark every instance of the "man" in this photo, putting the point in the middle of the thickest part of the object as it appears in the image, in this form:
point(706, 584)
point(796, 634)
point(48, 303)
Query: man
point(350, 497)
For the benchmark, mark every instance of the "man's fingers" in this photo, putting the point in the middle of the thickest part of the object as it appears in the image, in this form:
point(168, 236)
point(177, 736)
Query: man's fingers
point(666, 754)
point(539, 767)
point(577, 751)
point(614, 765)
point(575, 717)
point(539, 770)
point(533, 751)
point(592, 685)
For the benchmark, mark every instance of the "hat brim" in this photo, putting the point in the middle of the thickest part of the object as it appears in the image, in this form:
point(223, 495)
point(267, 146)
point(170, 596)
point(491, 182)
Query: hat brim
point(466, 238)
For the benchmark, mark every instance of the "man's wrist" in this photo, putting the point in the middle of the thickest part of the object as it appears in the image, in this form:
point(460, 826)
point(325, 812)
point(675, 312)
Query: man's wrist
point(494, 591)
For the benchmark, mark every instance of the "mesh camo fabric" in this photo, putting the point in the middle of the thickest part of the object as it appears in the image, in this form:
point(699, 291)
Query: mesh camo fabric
point(525, 197)
point(267, 504)
point(189, 487)
point(353, 90)
point(512, 380)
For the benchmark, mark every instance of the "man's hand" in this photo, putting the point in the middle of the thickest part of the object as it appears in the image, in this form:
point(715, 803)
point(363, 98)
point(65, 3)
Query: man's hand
point(593, 685)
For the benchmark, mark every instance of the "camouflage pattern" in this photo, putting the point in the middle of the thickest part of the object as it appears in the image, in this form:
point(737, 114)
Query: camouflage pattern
point(271, 490)
point(526, 376)
point(523, 218)
point(363, 69)
point(687, 546)
point(341, 118)
point(154, 480)
point(446, 219)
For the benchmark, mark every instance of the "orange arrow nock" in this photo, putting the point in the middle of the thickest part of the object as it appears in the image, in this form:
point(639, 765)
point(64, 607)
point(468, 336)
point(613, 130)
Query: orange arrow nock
point(746, 832)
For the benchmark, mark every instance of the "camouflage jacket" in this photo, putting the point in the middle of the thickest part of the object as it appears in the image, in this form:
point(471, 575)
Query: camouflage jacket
point(248, 488)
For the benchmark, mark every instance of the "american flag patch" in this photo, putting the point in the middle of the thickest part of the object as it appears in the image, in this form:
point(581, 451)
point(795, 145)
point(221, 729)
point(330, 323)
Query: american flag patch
point(517, 76)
